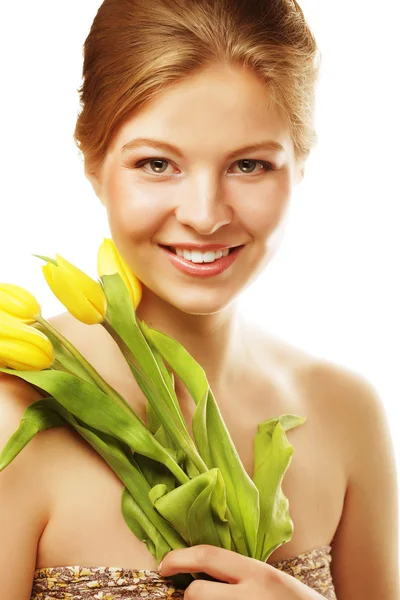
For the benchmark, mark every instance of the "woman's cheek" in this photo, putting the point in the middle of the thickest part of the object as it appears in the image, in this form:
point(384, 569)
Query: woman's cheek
point(264, 213)
point(135, 210)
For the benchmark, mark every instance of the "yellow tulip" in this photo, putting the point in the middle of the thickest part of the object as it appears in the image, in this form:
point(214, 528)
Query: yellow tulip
point(18, 303)
point(110, 261)
point(23, 347)
point(81, 295)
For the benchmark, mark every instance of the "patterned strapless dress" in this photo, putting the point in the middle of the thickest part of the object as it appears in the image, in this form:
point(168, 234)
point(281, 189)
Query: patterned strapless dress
point(112, 583)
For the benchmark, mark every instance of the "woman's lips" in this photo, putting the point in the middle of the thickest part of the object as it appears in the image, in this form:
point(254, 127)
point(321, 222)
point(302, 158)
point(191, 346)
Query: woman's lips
point(202, 269)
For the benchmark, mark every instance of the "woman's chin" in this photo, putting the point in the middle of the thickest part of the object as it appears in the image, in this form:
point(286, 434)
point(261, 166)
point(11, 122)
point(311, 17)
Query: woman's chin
point(204, 302)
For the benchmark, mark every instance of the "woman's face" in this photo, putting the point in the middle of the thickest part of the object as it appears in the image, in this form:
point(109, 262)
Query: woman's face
point(198, 193)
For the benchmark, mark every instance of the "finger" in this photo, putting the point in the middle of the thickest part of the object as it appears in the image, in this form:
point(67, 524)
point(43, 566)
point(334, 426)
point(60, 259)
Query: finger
point(221, 564)
point(204, 590)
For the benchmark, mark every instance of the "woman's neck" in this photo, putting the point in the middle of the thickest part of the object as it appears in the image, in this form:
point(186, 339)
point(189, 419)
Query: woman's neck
point(219, 342)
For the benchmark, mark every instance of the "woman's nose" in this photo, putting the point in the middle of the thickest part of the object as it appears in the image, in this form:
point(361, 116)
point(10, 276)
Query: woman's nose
point(205, 210)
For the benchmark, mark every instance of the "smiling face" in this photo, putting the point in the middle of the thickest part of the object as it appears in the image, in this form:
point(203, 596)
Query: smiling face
point(200, 193)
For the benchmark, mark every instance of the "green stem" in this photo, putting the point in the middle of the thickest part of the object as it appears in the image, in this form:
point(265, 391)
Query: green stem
point(238, 539)
point(107, 389)
point(102, 384)
point(183, 438)
point(57, 366)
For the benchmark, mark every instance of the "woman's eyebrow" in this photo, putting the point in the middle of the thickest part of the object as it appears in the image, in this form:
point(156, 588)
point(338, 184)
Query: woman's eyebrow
point(262, 145)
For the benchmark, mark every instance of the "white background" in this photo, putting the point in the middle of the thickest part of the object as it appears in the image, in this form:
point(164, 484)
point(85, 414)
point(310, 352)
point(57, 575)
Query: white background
point(333, 287)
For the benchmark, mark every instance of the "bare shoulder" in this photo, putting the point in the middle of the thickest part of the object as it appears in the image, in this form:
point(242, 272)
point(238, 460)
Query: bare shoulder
point(15, 396)
point(34, 460)
point(365, 547)
point(345, 396)
point(47, 447)
point(25, 491)
point(365, 552)
point(42, 462)
point(328, 385)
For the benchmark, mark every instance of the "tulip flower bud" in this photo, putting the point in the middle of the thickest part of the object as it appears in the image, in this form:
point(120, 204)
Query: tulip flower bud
point(110, 261)
point(81, 295)
point(18, 303)
point(23, 347)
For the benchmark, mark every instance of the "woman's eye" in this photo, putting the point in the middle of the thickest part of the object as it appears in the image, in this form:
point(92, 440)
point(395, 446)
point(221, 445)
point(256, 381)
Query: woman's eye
point(157, 161)
point(249, 165)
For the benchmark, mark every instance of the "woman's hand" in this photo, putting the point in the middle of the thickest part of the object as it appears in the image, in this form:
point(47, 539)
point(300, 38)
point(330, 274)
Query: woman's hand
point(244, 577)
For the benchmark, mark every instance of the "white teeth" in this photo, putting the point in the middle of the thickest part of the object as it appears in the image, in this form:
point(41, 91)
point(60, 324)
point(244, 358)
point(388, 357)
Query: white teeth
point(196, 256)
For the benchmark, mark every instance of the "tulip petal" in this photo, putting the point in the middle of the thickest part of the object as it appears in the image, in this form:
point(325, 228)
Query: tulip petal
point(133, 283)
point(110, 261)
point(106, 263)
point(18, 302)
point(70, 295)
point(13, 329)
point(19, 355)
point(5, 316)
point(88, 286)
point(22, 346)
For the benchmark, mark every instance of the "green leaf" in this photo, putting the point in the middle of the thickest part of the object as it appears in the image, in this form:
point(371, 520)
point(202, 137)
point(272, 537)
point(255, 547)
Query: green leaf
point(157, 492)
point(124, 466)
point(190, 469)
point(153, 423)
point(152, 377)
point(209, 509)
point(154, 472)
point(122, 318)
point(214, 441)
point(142, 528)
point(197, 509)
point(46, 259)
point(272, 457)
point(176, 355)
point(129, 510)
point(167, 377)
point(162, 436)
point(97, 409)
point(37, 417)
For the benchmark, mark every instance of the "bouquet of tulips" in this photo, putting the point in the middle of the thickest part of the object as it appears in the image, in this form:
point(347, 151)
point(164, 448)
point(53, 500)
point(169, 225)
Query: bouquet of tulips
point(177, 492)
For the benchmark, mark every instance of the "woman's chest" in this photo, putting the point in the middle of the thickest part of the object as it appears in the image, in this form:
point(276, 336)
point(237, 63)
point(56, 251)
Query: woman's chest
point(86, 525)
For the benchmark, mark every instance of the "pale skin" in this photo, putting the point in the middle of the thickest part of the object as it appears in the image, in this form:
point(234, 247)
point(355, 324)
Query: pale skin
point(59, 501)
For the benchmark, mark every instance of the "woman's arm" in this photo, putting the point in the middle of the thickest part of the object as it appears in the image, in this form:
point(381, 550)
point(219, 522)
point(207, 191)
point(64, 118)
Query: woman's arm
point(23, 498)
point(365, 558)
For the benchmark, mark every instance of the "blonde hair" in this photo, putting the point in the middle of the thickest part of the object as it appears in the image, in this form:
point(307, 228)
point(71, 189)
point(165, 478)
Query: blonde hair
point(137, 48)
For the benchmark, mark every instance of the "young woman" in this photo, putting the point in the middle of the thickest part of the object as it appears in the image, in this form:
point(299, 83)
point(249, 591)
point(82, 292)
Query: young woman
point(196, 123)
